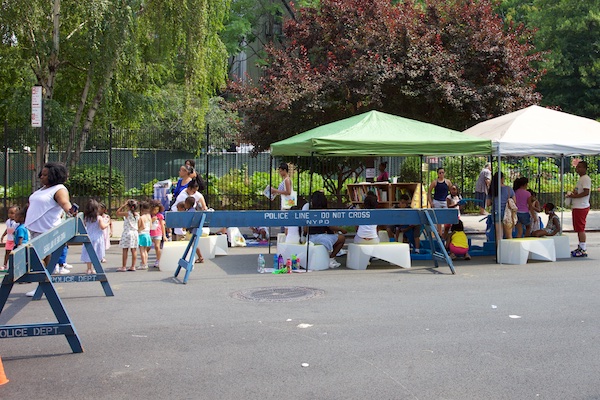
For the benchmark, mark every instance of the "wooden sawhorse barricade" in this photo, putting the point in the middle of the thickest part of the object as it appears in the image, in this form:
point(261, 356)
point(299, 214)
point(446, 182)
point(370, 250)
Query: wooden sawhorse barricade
point(26, 265)
point(344, 217)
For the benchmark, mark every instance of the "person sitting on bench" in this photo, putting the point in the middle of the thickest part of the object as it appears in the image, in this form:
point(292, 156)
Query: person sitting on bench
point(553, 225)
point(333, 242)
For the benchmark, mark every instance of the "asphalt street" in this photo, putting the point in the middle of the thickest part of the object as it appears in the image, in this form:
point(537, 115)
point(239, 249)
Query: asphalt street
point(489, 332)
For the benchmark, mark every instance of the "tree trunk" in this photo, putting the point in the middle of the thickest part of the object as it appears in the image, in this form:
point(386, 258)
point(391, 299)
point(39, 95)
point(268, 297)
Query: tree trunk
point(47, 80)
point(77, 121)
point(91, 114)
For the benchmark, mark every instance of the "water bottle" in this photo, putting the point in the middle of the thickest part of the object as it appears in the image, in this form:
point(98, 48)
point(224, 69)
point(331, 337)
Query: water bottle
point(280, 262)
point(275, 262)
point(261, 264)
point(288, 266)
point(294, 262)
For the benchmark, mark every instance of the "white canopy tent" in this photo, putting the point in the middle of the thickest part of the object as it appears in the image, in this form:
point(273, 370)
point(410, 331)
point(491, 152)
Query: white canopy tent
point(539, 131)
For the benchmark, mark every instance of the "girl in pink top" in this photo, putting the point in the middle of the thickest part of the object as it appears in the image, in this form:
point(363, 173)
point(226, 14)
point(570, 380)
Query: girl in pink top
point(158, 231)
point(11, 225)
point(522, 200)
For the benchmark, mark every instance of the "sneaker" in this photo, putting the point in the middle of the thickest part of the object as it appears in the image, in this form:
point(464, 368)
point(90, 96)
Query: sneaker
point(341, 253)
point(30, 294)
point(67, 266)
point(142, 267)
point(58, 270)
point(578, 252)
point(333, 263)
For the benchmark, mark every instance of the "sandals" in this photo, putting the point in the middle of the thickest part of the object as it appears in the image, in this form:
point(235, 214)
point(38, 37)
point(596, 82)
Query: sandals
point(122, 269)
point(199, 260)
point(131, 269)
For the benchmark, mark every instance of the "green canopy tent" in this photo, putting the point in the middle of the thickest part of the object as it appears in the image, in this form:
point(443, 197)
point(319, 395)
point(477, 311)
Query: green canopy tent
point(378, 134)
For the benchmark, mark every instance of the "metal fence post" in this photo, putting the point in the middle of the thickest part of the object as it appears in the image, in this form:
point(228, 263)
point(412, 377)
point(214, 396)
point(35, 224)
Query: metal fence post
point(110, 146)
point(6, 165)
point(207, 150)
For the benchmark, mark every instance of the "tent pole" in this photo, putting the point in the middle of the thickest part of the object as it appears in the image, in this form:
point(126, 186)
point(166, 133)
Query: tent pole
point(498, 209)
point(562, 191)
point(310, 190)
point(539, 177)
point(421, 179)
point(298, 177)
point(462, 174)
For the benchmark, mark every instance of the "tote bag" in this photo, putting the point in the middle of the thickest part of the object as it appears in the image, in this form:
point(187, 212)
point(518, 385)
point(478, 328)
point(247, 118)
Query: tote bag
point(289, 201)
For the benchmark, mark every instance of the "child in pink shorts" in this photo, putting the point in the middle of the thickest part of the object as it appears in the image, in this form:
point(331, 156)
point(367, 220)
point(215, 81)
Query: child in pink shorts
point(458, 243)
point(11, 225)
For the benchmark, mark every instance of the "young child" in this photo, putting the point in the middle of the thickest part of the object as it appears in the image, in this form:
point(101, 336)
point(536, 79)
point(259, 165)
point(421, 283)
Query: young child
point(453, 201)
point(11, 225)
point(95, 225)
point(21, 234)
point(108, 231)
point(158, 230)
point(260, 233)
point(144, 239)
point(523, 202)
point(457, 242)
point(179, 233)
point(534, 209)
point(367, 233)
point(553, 225)
point(410, 233)
point(129, 237)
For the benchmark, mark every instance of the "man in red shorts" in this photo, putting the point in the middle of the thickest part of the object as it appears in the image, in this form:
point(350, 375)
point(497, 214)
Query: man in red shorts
point(580, 205)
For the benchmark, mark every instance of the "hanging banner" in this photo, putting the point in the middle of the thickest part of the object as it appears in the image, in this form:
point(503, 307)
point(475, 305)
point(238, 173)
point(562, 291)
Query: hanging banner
point(36, 106)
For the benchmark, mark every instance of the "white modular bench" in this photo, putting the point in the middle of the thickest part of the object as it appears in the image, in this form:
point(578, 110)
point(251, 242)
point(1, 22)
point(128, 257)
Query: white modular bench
point(518, 251)
point(220, 244)
point(318, 256)
point(359, 255)
point(561, 247)
point(210, 246)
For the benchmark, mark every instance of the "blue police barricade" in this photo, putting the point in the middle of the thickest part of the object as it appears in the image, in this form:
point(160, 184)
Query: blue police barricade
point(396, 216)
point(26, 265)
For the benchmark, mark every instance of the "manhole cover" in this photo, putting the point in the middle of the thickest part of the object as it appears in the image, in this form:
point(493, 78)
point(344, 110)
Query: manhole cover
point(277, 294)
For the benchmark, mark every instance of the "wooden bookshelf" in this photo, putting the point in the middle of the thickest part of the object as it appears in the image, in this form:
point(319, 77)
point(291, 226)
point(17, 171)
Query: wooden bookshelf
point(388, 194)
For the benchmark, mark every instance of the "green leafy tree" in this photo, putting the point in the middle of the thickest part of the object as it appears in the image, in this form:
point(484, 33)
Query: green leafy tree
point(569, 32)
point(224, 125)
point(449, 63)
point(112, 58)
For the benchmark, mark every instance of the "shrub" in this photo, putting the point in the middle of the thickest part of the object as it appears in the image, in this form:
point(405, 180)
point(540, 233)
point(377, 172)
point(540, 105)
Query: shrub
point(19, 190)
point(93, 180)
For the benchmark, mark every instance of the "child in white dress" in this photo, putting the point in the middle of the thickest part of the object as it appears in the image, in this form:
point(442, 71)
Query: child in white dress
point(95, 225)
point(129, 238)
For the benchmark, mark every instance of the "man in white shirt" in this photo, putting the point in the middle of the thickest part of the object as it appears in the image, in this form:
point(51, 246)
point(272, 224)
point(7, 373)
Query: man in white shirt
point(580, 205)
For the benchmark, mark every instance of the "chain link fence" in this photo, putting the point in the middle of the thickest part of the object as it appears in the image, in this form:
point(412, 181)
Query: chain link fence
point(121, 164)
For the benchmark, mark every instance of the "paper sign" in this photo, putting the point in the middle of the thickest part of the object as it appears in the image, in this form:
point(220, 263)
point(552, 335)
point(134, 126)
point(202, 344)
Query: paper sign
point(36, 106)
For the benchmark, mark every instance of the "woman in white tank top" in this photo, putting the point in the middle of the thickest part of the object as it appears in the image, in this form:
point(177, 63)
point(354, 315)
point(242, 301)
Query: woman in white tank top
point(47, 204)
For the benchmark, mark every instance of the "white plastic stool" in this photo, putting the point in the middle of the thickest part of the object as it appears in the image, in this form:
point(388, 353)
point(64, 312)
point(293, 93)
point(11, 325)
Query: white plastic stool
point(318, 256)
